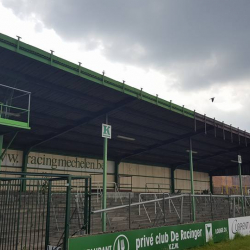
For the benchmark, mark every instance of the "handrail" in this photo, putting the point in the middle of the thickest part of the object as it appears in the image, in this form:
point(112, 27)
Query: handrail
point(137, 203)
point(165, 198)
point(99, 189)
point(140, 200)
point(155, 195)
point(21, 90)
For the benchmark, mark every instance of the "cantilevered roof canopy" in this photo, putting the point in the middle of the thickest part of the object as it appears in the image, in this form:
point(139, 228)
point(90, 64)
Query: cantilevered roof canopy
point(69, 103)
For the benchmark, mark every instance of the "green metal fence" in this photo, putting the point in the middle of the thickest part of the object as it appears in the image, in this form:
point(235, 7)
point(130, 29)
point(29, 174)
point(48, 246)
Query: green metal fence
point(14, 107)
point(46, 214)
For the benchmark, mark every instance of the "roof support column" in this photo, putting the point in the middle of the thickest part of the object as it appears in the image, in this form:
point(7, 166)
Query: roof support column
point(24, 167)
point(211, 183)
point(104, 188)
point(172, 181)
point(241, 189)
point(192, 177)
point(117, 163)
point(1, 148)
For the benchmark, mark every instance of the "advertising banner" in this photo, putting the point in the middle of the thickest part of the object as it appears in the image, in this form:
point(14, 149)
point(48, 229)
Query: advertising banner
point(172, 237)
point(239, 225)
point(46, 161)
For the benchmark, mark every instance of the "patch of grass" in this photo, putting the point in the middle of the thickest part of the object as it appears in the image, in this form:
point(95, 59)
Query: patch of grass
point(239, 243)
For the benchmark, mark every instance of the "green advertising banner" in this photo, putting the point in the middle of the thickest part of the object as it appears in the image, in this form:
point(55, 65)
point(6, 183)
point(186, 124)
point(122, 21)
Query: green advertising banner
point(171, 237)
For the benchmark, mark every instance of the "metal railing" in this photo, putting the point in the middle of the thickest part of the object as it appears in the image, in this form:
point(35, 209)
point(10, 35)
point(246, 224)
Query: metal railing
point(209, 207)
point(157, 186)
point(14, 106)
point(30, 203)
point(111, 186)
point(157, 204)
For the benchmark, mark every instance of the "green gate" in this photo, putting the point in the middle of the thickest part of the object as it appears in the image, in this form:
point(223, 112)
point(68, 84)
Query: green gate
point(41, 211)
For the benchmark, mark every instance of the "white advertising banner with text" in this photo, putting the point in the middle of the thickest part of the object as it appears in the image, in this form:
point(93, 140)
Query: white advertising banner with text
point(239, 225)
point(56, 162)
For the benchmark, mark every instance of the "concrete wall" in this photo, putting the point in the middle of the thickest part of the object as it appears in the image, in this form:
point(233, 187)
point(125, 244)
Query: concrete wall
point(182, 181)
point(132, 177)
point(144, 178)
point(152, 178)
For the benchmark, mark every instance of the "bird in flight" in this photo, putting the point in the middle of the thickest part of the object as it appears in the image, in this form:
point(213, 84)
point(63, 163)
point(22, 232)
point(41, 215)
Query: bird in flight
point(212, 99)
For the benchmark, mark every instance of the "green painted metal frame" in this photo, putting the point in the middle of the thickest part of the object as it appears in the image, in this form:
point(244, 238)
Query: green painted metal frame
point(241, 189)
point(192, 178)
point(2, 154)
point(11, 122)
point(211, 184)
point(44, 57)
point(172, 181)
point(104, 188)
point(117, 163)
point(1, 148)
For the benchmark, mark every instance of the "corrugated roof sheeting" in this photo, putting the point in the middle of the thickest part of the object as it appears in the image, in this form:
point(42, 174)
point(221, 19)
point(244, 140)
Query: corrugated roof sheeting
point(62, 101)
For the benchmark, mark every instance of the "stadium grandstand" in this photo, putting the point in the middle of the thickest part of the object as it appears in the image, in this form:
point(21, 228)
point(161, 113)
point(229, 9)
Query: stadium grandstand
point(85, 154)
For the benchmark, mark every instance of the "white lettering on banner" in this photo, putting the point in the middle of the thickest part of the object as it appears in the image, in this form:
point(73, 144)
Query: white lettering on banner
point(172, 238)
point(173, 246)
point(191, 234)
point(57, 162)
point(239, 225)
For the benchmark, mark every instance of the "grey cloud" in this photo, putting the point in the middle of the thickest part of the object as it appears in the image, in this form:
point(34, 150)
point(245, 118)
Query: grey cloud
point(203, 42)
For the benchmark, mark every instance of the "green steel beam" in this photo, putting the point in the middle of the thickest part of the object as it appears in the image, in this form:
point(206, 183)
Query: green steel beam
point(24, 167)
point(1, 148)
point(192, 178)
point(7, 147)
point(59, 63)
point(117, 163)
point(67, 214)
point(211, 184)
point(172, 181)
point(104, 189)
point(241, 189)
point(13, 123)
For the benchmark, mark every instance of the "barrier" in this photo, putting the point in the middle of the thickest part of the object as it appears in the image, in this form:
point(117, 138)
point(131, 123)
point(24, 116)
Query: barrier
point(168, 237)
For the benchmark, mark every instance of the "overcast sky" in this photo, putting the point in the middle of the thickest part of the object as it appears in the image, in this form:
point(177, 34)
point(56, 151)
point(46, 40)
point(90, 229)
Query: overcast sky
point(185, 51)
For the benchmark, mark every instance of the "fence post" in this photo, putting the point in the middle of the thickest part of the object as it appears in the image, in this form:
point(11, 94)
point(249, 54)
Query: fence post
point(89, 215)
point(129, 211)
point(1, 146)
point(163, 207)
point(192, 177)
point(234, 208)
point(19, 211)
point(229, 212)
point(211, 199)
point(86, 196)
point(67, 213)
point(48, 216)
point(190, 207)
point(182, 209)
